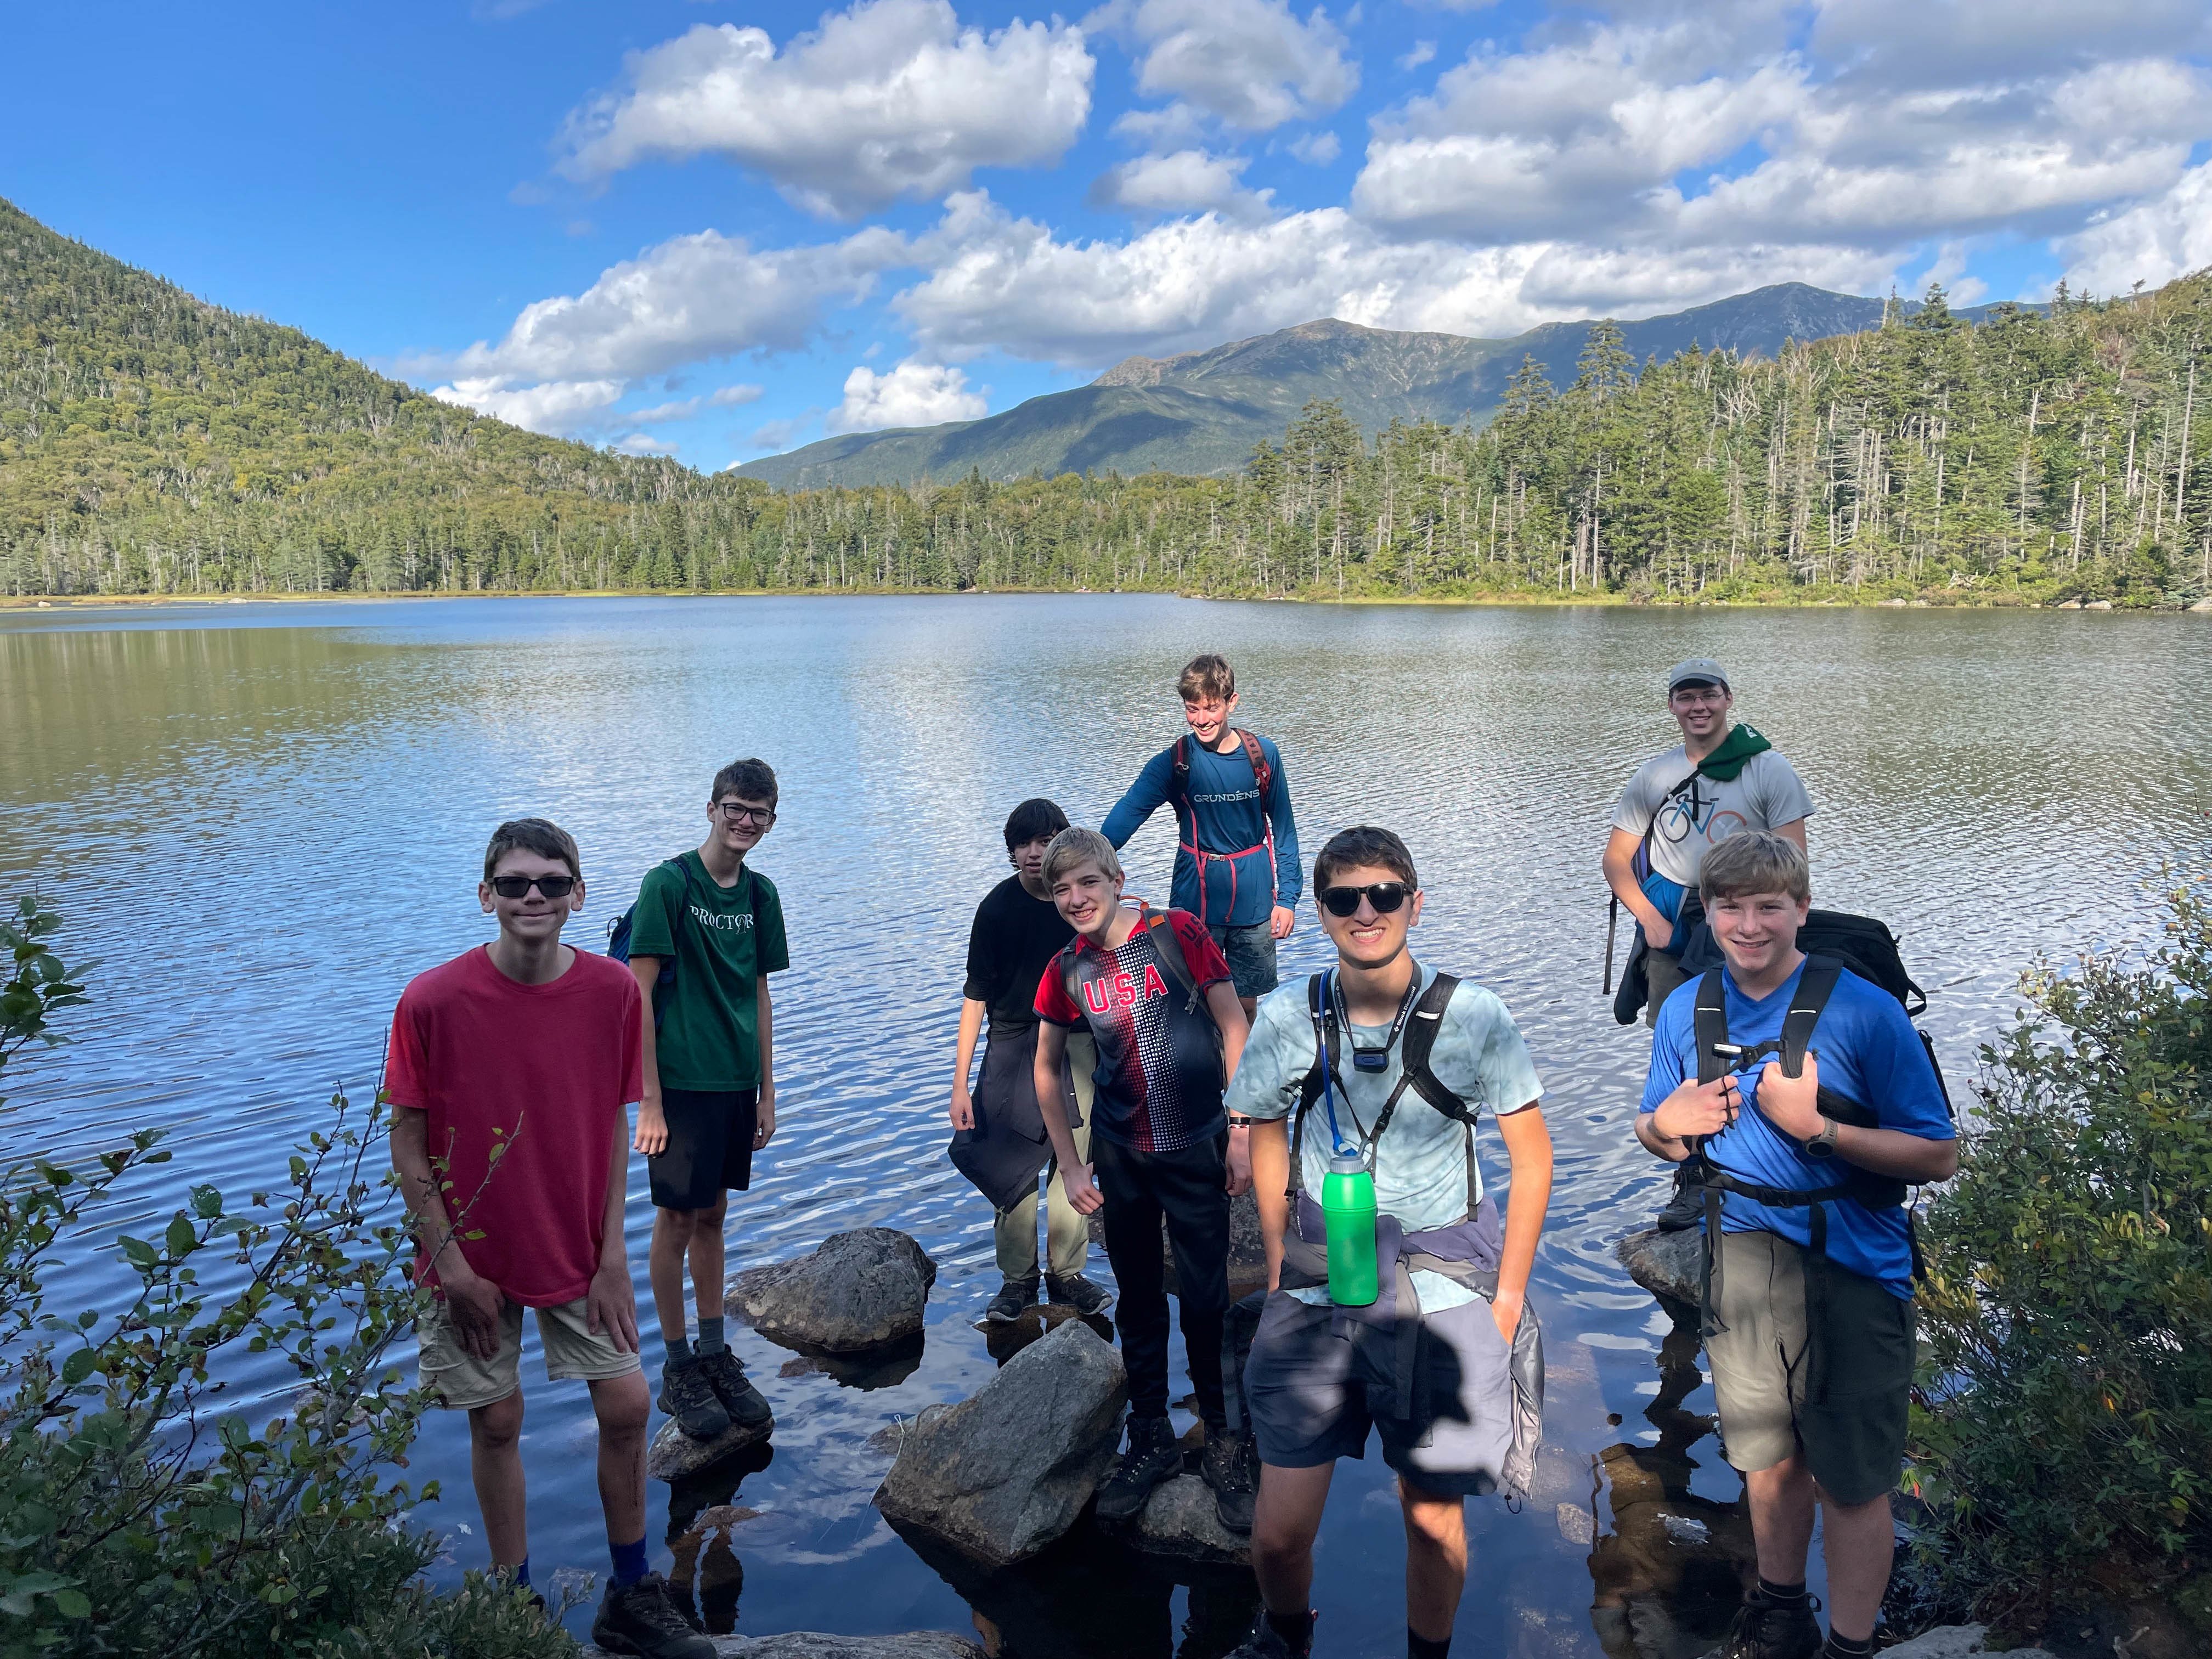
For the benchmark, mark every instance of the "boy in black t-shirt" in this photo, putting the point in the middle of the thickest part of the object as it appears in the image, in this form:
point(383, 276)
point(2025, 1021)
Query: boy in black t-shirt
point(998, 1140)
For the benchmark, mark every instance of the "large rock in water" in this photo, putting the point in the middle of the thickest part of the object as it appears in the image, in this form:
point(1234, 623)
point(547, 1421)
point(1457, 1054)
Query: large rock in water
point(860, 1290)
point(1955, 1641)
point(1671, 1266)
point(1003, 1474)
point(818, 1644)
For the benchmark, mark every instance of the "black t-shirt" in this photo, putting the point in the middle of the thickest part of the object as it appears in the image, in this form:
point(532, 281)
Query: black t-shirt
point(1013, 938)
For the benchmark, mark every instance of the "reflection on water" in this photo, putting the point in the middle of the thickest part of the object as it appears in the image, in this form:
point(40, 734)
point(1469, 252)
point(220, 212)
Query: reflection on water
point(266, 818)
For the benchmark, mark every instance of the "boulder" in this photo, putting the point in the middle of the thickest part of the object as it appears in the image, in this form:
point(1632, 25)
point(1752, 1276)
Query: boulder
point(1003, 1474)
point(816, 1644)
point(2204, 605)
point(1178, 1520)
point(1671, 1266)
point(674, 1455)
point(1954, 1642)
point(859, 1289)
point(2097, 604)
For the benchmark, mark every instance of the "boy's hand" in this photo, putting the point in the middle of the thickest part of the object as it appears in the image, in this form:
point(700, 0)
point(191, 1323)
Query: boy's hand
point(1280, 920)
point(1240, 1162)
point(652, 1137)
point(1506, 1310)
point(1696, 1108)
point(964, 1107)
point(1082, 1196)
point(765, 1119)
point(1792, 1104)
point(1658, 933)
point(611, 1305)
point(473, 1304)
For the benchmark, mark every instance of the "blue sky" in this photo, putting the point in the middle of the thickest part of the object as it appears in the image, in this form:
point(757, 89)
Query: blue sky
point(716, 229)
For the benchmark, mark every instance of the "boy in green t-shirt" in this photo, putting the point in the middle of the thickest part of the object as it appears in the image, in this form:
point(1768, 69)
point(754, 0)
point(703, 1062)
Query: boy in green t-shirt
point(709, 1080)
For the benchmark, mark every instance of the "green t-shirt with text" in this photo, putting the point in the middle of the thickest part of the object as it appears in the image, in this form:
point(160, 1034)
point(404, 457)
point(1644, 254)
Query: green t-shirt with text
point(724, 938)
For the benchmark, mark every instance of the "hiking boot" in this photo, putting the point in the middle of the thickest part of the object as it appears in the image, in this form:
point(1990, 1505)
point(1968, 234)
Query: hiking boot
point(1685, 1209)
point(1765, 1629)
point(1154, 1456)
point(641, 1619)
point(747, 1405)
point(1266, 1642)
point(1011, 1302)
point(687, 1396)
point(1077, 1293)
point(1230, 1465)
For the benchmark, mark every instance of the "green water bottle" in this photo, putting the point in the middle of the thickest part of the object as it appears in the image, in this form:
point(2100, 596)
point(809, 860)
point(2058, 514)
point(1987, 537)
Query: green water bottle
point(1347, 1208)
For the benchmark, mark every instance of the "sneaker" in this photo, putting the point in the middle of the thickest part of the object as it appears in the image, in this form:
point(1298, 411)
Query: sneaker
point(1266, 1642)
point(1011, 1302)
point(1685, 1209)
point(1153, 1456)
point(1076, 1292)
point(747, 1405)
point(687, 1396)
point(1230, 1465)
point(641, 1619)
point(1767, 1630)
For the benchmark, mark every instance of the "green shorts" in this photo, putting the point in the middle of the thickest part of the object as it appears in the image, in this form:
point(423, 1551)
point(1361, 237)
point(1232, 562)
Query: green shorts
point(1850, 1428)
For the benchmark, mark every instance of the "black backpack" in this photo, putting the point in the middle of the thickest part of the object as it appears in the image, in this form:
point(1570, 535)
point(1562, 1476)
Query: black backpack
point(620, 929)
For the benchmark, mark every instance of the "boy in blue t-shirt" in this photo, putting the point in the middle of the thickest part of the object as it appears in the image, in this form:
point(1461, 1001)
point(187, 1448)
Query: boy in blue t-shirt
point(1810, 1416)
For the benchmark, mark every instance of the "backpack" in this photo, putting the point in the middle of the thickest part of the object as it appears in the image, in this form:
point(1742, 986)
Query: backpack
point(1421, 1024)
point(620, 929)
point(1262, 773)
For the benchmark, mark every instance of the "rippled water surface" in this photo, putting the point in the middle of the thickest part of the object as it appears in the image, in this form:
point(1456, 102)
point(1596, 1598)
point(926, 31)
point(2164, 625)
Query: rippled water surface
point(264, 819)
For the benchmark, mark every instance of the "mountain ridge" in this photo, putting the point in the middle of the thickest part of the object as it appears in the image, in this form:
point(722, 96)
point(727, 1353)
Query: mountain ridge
point(1245, 391)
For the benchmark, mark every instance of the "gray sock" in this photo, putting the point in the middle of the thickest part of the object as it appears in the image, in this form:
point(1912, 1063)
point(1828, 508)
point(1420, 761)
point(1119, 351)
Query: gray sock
point(680, 1349)
point(710, 1336)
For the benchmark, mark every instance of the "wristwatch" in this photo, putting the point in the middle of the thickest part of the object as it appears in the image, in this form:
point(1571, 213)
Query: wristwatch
point(1823, 1144)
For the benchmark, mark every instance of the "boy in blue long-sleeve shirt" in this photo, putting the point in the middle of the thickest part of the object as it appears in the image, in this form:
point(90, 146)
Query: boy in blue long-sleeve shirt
point(1236, 846)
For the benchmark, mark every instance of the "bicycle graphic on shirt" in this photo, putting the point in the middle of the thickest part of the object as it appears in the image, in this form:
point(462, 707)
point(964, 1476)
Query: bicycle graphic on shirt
point(1685, 814)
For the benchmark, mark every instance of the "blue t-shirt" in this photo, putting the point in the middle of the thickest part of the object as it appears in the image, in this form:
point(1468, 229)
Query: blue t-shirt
point(1868, 1053)
point(1231, 818)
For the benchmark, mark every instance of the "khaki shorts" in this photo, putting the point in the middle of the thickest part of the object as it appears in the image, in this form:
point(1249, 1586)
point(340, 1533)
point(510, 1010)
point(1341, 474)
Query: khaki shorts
point(1852, 1431)
point(462, 1382)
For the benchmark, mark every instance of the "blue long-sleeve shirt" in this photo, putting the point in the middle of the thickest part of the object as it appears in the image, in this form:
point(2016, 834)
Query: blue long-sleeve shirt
point(1229, 822)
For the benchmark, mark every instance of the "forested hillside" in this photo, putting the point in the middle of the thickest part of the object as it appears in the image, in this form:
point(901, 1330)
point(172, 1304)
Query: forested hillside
point(149, 443)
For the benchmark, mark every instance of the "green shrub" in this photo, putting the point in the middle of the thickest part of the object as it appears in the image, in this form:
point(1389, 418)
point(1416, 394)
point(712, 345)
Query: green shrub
point(135, 1515)
point(2065, 1438)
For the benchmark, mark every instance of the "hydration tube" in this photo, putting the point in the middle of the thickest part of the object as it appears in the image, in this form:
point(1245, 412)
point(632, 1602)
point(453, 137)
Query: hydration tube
point(1328, 1066)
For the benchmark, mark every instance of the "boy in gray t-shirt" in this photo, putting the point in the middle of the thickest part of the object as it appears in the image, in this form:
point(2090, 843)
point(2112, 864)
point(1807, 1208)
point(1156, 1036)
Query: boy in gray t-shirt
point(1719, 780)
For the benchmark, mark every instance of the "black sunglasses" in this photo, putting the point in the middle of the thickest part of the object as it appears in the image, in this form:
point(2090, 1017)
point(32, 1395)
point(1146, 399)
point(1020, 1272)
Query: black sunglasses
point(515, 887)
point(1384, 896)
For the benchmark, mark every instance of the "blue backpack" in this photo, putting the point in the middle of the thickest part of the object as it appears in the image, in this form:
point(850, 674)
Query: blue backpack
point(618, 934)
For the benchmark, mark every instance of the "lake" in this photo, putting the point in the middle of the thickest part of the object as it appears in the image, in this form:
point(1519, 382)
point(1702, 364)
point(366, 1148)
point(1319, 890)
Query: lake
point(264, 818)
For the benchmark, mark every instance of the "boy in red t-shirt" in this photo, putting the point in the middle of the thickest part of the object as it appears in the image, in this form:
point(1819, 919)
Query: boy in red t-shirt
point(510, 1073)
point(1155, 993)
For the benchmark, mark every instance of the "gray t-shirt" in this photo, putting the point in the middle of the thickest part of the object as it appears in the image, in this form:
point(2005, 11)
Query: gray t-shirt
point(1420, 1163)
point(1765, 794)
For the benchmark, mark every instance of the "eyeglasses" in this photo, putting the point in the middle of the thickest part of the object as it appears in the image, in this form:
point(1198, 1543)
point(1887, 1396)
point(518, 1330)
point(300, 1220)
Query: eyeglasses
point(515, 887)
point(1384, 896)
point(739, 812)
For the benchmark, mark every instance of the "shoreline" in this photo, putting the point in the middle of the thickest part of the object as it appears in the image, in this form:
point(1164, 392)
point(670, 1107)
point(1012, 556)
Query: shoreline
point(10, 603)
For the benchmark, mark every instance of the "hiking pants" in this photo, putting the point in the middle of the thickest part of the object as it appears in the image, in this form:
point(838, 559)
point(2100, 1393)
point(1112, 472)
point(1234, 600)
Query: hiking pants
point(1189, 1188)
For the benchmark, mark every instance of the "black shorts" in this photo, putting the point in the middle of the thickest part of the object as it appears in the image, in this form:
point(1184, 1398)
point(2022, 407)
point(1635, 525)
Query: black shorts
point(710, 1147)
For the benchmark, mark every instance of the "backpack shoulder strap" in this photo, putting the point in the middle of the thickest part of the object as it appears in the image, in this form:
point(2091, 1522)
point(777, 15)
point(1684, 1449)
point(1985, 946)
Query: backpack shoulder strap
point(1179, 774)
point(1420, 1038)
point(1168, 944)
point(1068, 977)
point(1709, 1025)
point(1814, 987)
point(1262, 773)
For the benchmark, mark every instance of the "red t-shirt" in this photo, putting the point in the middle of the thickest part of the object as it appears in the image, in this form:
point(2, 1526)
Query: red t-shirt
point(545, 1069)
point(1159, 1057)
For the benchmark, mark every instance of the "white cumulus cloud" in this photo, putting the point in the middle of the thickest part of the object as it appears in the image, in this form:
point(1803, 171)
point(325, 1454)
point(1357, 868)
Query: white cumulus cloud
point(911, 394)
point(2150, 242)
point(1251, 64)
point(559, 407)
point(1188, 181)
point(889, 99)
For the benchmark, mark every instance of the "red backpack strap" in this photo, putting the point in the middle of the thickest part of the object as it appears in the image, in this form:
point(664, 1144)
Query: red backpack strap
point(1262, 773)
